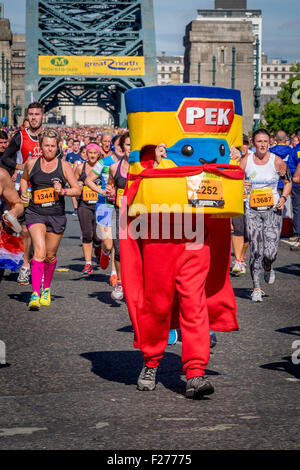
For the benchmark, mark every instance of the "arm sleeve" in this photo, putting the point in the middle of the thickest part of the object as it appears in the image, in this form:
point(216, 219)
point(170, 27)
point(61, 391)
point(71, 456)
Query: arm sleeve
point(9, 158)
point(97, 169)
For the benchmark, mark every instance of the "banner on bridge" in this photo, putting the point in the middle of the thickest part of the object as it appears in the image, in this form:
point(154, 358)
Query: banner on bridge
point(91, 65)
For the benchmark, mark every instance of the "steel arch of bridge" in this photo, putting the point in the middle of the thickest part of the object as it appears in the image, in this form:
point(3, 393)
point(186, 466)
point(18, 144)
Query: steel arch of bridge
point(88, 28)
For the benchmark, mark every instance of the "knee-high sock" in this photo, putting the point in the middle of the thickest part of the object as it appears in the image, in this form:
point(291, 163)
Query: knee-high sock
point(37, 271)
point(49, 271)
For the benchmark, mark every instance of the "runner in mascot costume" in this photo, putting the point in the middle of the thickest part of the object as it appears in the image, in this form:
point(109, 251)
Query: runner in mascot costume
point(174, 281)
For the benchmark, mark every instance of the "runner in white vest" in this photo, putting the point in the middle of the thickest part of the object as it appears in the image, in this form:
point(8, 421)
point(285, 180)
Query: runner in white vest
point(264, 208)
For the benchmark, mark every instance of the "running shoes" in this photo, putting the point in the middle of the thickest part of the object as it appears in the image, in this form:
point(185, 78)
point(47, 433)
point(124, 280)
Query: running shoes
point(236, 269)
point(269, 276)
point(173, 337)
point(104, 259)
point(242, 267)
point(24, 276)
point(88, 269)
point(198, 387)
point(117, 293)
point(45, 298)
point(147, 379)
point(257, 295)
point(113, 280)
point(34, 301)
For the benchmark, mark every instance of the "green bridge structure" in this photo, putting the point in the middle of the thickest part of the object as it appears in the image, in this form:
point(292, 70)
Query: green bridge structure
point(88, 28)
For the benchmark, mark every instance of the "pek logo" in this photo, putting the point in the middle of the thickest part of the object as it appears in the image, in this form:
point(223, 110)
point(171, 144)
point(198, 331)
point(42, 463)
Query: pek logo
point(203, 116)
point(59, 61)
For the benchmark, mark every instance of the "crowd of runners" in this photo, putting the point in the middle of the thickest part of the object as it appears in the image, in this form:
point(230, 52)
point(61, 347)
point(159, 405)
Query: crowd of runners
point(41, 166)
point(90, 165)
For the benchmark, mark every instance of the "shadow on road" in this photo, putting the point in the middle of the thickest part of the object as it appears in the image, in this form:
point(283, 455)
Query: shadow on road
point(126, 329)
point(292, 269)
point(285, 366)
point(125, 366)
point(290, 330)
point(24, 297)
point(242, 292)
point(105, 298)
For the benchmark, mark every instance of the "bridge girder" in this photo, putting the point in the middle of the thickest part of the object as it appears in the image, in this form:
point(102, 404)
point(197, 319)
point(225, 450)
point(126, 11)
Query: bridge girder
point(88, 28)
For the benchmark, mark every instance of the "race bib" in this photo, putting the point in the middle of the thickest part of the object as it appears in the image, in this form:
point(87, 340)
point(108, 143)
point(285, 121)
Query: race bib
point(89, 196)
point(205, 190)
point(120, 194)
point(262, 199)
point(45, 196)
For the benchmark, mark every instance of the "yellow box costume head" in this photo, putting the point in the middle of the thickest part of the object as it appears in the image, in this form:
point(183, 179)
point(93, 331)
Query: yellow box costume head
point(198, 124)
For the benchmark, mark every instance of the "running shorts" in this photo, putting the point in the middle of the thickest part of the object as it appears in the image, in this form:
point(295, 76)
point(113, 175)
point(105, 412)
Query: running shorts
point(54, 223)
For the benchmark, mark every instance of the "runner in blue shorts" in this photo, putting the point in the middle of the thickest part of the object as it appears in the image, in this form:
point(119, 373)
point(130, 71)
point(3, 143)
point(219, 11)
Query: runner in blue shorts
point(104, 208)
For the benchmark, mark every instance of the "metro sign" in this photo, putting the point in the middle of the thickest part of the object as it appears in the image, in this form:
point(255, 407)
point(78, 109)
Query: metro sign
point(206, 116)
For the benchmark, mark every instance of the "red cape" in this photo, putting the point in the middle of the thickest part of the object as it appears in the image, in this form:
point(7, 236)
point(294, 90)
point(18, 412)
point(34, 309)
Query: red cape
point(220, 296)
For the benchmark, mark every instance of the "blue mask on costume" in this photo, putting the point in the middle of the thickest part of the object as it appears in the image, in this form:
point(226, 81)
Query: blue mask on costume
point(199, 152)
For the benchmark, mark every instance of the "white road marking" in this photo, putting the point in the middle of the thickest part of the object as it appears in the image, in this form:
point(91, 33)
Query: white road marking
point(177, 419)
point(101, 425)
point(249, 417)
point(218, 427)
point(5, 432)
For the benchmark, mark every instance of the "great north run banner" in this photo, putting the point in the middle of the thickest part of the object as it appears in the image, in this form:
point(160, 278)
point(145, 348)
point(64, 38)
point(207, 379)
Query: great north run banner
point(91, 65)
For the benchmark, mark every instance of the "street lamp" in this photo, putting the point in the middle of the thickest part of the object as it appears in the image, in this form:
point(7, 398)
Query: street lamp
point(257, 89)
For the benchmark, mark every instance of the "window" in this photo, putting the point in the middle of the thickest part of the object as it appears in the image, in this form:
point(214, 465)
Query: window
point(275, 83)
point(268, 84)
point(222, 56)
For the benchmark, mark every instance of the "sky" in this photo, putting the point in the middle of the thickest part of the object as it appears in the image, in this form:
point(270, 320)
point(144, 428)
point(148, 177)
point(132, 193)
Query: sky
point(281, 24)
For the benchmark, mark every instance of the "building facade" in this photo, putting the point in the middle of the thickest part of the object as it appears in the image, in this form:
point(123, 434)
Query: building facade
point(236, 10)
point(17, 79)
point(220, 54)
point(170, 69)
point(274, 74)
point(5, 71)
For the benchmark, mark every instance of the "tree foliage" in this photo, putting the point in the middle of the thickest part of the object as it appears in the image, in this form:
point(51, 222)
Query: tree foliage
point(284, 112)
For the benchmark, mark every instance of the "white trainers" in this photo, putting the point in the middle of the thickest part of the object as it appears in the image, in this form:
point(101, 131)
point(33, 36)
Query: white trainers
point(269, 276)
point(243, 267)
point(24, 276)
point(117, 293)
point(236, 269)
point(257, 295)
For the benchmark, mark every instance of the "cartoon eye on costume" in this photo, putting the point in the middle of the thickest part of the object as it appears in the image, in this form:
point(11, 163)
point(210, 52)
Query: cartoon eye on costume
point(222, 150)
point(187, 150)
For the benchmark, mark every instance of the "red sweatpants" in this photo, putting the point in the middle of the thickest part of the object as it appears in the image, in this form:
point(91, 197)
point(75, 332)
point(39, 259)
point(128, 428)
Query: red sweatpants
point(174, 277)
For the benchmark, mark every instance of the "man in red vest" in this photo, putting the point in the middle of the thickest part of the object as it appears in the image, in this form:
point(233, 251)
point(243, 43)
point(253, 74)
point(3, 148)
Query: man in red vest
point(23, 145)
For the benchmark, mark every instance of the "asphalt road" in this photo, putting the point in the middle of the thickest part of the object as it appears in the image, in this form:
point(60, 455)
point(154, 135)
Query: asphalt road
point(71, 372)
